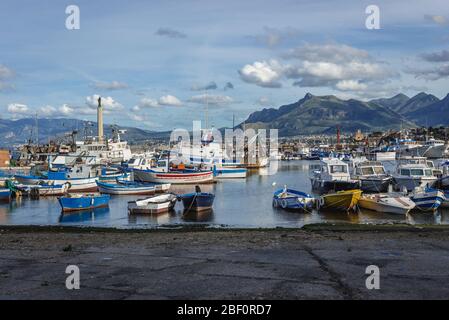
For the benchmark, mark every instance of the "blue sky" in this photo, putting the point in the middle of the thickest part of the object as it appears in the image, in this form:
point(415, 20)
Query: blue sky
point(152, 60)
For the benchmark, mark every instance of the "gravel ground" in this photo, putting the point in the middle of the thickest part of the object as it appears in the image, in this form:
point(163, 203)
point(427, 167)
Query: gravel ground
point(318, 262)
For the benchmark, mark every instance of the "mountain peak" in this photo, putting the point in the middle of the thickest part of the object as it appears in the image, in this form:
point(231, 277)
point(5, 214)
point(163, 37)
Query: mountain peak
point(308, 96)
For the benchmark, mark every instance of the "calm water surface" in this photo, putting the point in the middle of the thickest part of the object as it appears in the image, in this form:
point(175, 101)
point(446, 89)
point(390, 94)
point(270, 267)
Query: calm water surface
point(238, 203)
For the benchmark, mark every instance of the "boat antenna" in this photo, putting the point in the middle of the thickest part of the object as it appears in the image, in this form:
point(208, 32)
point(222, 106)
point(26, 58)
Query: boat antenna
point(37, 130)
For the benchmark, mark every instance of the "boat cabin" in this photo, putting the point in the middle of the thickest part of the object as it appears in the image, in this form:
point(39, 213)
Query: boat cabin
point(370, 168)
point(331, 169)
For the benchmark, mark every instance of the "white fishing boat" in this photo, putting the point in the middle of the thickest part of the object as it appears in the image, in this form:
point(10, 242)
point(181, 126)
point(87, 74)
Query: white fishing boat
point(372, 176)
point(230, 172)
point(155, 204)
point(413, 172)
point(42, 189)
point(79, 178)
point(395, 203)
point(427, 199)
point(432, 149)
point(331, 175)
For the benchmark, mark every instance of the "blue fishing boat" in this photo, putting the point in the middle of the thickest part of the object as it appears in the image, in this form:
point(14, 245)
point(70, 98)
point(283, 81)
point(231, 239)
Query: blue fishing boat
point(130, 188)
point(76, 202)
point(5, 194)
point(428, 199)
point(197, 201)
point(293, 200)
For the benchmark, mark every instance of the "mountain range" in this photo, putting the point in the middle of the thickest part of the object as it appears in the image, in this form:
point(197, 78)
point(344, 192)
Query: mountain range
point(322, 114)
point(309, 115)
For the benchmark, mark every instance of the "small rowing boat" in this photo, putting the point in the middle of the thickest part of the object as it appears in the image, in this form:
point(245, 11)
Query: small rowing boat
point(197, 201)
point(290, 199)
point(158, 187)
point(341, 200)
point(76, 202)
point(395, 203)
point(428, 199)
point(130, 188)
point(155, 204)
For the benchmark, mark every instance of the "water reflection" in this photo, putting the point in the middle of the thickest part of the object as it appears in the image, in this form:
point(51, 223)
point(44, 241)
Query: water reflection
point(84, 216)
point(202, 216)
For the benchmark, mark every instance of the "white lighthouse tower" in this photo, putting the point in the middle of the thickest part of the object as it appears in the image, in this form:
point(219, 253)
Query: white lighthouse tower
point(100, 121)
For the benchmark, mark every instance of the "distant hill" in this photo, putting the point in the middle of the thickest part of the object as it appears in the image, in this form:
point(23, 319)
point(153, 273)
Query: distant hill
point(19, 131)
point(434, 114)
point(321, 114)
point(394, 103)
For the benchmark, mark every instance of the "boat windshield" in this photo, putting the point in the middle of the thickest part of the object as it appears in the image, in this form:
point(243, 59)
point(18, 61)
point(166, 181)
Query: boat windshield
point(416, 172)
point(132, 161)
point(379, 170)
point(429, 172)
point(367, 170)
point(338, 169)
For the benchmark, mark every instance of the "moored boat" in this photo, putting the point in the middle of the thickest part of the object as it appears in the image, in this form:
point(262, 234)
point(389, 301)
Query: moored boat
point(76, 202)
point(372, 176)
point(341, 200)
point(173, 177)
point(293, 200)
point(42, 189)
point(230, 173)
point(155, 204)
point(395, 203)
point(428, 199)
point(197, 201)
point(331, 175)
point(126, 189)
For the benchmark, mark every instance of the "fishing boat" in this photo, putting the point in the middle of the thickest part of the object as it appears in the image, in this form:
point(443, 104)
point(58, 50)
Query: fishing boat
point(331, 175)
point(111, 174)
point(41, 189)
point(395, 203)
point(80, 178)
point(293, 200)
point(427, 199)
point(155, 204)
point(76, 202)
point(372, 176)
point(130, 188)
point(162, 174)
point(197, 201)
point(341, 200)
point(5, 194)
point(410, 176)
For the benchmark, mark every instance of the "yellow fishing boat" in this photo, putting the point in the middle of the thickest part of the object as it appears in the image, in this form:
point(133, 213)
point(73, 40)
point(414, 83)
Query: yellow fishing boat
point(341, 200)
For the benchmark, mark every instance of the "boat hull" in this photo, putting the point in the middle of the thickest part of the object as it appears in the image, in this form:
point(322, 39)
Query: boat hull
point(120, 189)
point(5, 195)
point(231, 173)
point(428, 201)
point(83, 203)
point(410, 183)
point(392, 205)
point(173, 177)
point(342, 200)
point(198, 202)
point(375, 184)
point(166, 204)
point(76, 185)
point(289, 199)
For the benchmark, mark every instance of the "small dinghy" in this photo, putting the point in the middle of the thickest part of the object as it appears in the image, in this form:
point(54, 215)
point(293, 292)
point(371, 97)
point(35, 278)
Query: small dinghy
point(155, 204)
point(76, 202)
point(395, 203)
point(290, 199)
point(341, 200)
point(197, 201)
point(428, 199)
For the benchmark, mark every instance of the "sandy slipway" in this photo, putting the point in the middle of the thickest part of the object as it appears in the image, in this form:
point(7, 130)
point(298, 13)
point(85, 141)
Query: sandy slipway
point(318, 262)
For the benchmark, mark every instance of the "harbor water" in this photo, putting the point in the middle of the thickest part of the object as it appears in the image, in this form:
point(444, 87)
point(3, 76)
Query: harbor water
point(239, 203)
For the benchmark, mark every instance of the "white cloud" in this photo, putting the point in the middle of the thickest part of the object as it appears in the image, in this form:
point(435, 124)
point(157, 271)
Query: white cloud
point(335, 66)
point(108, 103)
point(18, 108)
point(148, 103)
point(114, 85)
point(263, 101)
point(136, 117)
point(211, 99)
point(350, 85)
point(274, 36)
point(169, 100)
point(264, 73)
